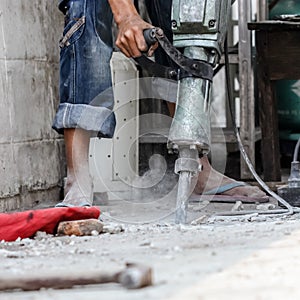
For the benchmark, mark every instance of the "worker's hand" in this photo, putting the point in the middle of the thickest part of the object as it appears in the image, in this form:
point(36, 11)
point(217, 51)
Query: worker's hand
point(130, 38)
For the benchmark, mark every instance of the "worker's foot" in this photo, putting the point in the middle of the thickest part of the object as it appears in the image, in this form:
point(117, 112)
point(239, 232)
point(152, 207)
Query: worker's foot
point(212, 182)
point(79, 187)
point(77, 193)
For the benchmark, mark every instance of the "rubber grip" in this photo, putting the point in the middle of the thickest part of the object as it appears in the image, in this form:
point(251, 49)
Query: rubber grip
point(149, 36)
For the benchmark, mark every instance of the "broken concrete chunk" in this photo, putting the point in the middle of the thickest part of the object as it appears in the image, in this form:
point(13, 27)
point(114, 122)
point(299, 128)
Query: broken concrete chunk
point(266, 206)
point(95, 233)
point(40, 235)
point(252, 217)
point(238, 206)
point(200, 220)
point(113, 228)
point(80, 228)
point(201, 205)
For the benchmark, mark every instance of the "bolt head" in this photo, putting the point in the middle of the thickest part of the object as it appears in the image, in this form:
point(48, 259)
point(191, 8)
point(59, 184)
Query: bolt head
point(211, 23)
point(174, 24)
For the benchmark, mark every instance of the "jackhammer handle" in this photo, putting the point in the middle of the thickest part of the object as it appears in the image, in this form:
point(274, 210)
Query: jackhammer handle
point(150, 36)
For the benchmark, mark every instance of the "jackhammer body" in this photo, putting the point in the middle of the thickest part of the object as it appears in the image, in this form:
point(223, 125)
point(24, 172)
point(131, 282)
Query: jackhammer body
point(199, 31)
point(199, 28)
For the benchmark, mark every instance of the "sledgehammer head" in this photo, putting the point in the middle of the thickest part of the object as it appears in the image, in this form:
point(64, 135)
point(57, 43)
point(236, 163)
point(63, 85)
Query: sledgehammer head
point(135, 276)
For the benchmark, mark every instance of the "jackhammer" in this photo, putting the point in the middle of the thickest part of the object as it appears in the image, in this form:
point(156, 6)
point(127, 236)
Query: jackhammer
point(199, 31)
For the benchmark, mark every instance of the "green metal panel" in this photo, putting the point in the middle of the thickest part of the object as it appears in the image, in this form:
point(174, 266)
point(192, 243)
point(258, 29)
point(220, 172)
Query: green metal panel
point(288, 95)
point(288, 91)
point(285, 7)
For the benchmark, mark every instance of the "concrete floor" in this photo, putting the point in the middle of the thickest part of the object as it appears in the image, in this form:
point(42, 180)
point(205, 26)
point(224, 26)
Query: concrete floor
point(248, 257)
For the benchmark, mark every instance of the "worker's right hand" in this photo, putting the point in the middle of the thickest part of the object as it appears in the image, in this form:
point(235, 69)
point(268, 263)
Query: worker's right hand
point(130, 38)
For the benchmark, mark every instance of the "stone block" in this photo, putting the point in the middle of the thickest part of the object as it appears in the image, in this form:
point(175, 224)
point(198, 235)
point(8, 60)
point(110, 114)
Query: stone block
point(30, 29)
point(37, 165)
point(29, 99)
point(9, 183)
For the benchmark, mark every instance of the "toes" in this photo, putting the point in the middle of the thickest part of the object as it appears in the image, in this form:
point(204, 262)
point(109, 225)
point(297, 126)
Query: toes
point(248, 191)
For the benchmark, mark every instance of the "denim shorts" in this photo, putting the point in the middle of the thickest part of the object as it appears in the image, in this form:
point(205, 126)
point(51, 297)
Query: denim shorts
point(86, 96)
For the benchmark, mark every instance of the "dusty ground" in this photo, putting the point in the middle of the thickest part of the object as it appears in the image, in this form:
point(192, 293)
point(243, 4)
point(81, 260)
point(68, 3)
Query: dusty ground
point(225, 258)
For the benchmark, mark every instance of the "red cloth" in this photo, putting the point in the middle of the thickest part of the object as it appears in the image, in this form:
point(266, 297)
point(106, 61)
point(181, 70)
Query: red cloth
point(26, 224)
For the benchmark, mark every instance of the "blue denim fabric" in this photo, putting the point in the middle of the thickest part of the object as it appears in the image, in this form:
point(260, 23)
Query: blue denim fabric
point(86, 97)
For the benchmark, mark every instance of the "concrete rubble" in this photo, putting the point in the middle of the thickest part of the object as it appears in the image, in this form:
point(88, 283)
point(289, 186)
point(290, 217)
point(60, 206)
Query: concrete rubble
point(181, 256)
point(242, 255)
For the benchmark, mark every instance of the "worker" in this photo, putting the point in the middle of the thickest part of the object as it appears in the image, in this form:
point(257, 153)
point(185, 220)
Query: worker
point(86, 100)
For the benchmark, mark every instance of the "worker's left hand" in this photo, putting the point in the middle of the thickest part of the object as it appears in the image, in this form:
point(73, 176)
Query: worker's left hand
point(130, 38)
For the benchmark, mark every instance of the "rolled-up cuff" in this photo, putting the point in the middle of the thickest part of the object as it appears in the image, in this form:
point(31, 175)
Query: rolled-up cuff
point(91, 118)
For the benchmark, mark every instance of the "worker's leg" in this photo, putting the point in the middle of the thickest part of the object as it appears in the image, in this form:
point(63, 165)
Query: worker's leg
point(209, 179)
point(86, 98)
point(78, 187)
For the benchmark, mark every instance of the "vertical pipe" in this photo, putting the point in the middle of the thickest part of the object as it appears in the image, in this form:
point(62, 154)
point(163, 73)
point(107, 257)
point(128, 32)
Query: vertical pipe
point(247, 122)
point(262, 10)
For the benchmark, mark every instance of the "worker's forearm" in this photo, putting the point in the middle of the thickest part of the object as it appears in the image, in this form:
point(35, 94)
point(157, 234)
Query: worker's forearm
point(130, 39)
point(122, 9)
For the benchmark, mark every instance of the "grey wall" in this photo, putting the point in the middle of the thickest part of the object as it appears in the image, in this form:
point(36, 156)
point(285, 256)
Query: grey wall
point(31, 165)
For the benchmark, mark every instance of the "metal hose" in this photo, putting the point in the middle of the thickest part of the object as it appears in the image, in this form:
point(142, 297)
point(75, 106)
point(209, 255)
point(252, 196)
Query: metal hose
point(296, 151)
point(289, 209)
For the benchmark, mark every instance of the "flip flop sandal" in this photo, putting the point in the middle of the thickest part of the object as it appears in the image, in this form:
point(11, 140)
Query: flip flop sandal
point(215, 195)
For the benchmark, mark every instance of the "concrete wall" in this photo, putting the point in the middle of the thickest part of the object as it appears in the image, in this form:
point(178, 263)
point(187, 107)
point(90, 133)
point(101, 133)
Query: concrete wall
point(31, 165)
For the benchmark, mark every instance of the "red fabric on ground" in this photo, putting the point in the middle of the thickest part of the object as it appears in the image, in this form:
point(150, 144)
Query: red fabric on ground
point(26, 224)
